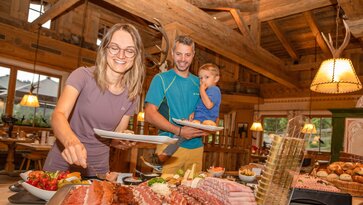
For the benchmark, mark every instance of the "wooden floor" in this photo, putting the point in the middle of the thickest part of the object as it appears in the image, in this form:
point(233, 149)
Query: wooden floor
point(5, 182)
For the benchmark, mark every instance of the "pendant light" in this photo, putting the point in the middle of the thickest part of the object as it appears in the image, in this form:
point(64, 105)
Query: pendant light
point(31, 99)
point(309, 127)
point(256, 125)
point(336, 75)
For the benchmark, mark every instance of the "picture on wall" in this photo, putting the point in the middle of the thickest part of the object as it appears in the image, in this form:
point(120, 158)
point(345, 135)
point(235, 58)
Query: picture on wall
point(242, 128)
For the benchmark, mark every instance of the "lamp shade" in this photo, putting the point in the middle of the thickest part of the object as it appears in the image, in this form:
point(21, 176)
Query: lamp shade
point(29, 100)
point(256, 126)
point(140, 116)
point(336, 75)
point(309, 128)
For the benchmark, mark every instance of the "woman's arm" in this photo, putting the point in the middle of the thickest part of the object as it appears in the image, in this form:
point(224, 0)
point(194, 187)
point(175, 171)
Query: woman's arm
point(74, 151)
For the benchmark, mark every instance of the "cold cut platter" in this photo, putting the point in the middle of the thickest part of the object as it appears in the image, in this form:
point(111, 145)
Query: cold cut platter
point(197, 125)
point(153, 139)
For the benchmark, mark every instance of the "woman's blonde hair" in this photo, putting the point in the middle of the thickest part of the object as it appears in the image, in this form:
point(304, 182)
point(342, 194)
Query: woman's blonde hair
point(213, 68)
point(134, 77)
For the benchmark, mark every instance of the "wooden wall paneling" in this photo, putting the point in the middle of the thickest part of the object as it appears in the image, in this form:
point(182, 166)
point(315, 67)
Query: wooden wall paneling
point(92, 24)
point(19, 9)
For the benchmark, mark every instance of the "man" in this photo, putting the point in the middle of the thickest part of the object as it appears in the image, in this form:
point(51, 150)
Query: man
point(174, 94)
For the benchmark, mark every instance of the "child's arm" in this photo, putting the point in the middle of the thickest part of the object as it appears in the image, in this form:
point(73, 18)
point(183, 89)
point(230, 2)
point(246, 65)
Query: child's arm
point(205, 99)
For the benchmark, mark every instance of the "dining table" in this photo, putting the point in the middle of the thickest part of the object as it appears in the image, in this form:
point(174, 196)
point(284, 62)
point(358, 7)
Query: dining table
point(35, 146)
point(11, 145)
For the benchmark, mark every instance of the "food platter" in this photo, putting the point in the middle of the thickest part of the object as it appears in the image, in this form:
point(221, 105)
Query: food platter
point(153, 139)
point(199, 126)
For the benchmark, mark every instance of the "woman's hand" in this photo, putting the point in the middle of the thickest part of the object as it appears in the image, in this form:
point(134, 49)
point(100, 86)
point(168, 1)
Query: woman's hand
point(122, 144)
point(75, 153)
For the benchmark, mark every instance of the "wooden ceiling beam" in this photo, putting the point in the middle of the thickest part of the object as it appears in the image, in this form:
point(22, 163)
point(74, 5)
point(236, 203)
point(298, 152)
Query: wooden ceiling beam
point(235, 99)
point(269, 10)
point(319, 38)
point(285, 43)
point(209, 33)
point(354, 12)
point(54, 11)
point(244, 5)
point(304, 66)
point(242, 26)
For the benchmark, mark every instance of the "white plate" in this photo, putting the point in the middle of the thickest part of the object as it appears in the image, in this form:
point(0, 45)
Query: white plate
point(199, 126)
point(153, 139)
point(40, 193)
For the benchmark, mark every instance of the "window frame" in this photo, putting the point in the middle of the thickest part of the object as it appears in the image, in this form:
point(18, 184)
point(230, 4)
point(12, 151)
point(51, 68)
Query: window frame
point(12, 85)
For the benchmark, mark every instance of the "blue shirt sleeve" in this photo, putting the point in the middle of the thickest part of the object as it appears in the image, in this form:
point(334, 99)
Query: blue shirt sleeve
point(155, 94)
point(214, 95)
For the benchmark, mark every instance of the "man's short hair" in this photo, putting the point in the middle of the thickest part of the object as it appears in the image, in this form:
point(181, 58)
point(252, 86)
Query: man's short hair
point(186, 40)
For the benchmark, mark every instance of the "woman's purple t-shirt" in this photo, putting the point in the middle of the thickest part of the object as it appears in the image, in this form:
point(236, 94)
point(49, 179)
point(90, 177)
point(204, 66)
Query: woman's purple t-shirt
point(93, 109)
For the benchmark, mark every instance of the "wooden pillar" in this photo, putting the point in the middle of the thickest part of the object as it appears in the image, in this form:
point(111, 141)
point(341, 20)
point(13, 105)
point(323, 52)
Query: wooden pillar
point(11, 92)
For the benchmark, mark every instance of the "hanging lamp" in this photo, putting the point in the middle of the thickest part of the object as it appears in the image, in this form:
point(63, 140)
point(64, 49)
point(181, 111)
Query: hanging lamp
point(31, 99)
point(309, 127)
point(336, 75)
point(256, 125)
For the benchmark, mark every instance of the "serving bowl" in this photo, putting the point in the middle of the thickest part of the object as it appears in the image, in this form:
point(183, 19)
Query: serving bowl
point(40, 193)
point(132, 181)
point(147, 176)
point(246, 178)
point(216, 171)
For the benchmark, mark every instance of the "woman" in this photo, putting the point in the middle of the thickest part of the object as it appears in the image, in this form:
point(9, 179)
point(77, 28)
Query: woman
point(103, 96)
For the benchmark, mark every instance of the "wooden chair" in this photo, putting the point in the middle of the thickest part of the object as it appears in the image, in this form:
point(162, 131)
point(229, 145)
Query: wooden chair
point(36, 157)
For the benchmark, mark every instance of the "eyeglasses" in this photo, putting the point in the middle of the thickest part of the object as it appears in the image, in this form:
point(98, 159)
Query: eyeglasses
point(127, 52)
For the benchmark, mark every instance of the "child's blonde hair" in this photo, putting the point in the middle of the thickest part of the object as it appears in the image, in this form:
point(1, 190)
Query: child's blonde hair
point(213, 68)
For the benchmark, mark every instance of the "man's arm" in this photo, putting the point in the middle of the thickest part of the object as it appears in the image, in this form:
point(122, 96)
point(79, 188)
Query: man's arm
point(153, 116)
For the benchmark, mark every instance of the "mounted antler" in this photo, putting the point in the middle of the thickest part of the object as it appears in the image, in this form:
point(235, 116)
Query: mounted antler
point(336, 52)
point(162, 63)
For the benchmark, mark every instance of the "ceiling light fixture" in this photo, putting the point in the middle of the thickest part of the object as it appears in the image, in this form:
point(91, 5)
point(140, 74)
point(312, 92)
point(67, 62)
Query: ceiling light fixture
point(336, 75)
point(31, 99)
point(256, 125)
point(309, 127)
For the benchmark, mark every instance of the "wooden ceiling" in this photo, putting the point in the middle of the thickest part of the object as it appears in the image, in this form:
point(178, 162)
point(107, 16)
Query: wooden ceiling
point(275, 38)
point(270, 37)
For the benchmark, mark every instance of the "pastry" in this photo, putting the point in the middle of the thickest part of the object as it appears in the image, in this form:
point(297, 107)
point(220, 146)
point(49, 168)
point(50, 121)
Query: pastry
point(209, 122)
point(196, 121)
point(345, 177)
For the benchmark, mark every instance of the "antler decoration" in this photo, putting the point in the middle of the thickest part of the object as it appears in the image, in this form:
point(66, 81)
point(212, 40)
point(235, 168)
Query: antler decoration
point(336, 52)
point(162, 63)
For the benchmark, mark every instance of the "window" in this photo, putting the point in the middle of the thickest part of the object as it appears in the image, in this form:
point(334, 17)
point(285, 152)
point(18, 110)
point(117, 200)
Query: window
point(36, 9)
point(4, 84)
point(323, 131)
point(47, 88)
point(273, 125)
point(102, 32)
point(323, 125)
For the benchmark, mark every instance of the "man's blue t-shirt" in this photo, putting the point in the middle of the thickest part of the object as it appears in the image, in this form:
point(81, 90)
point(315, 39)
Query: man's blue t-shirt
point(202, 113)
point(175, 97)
